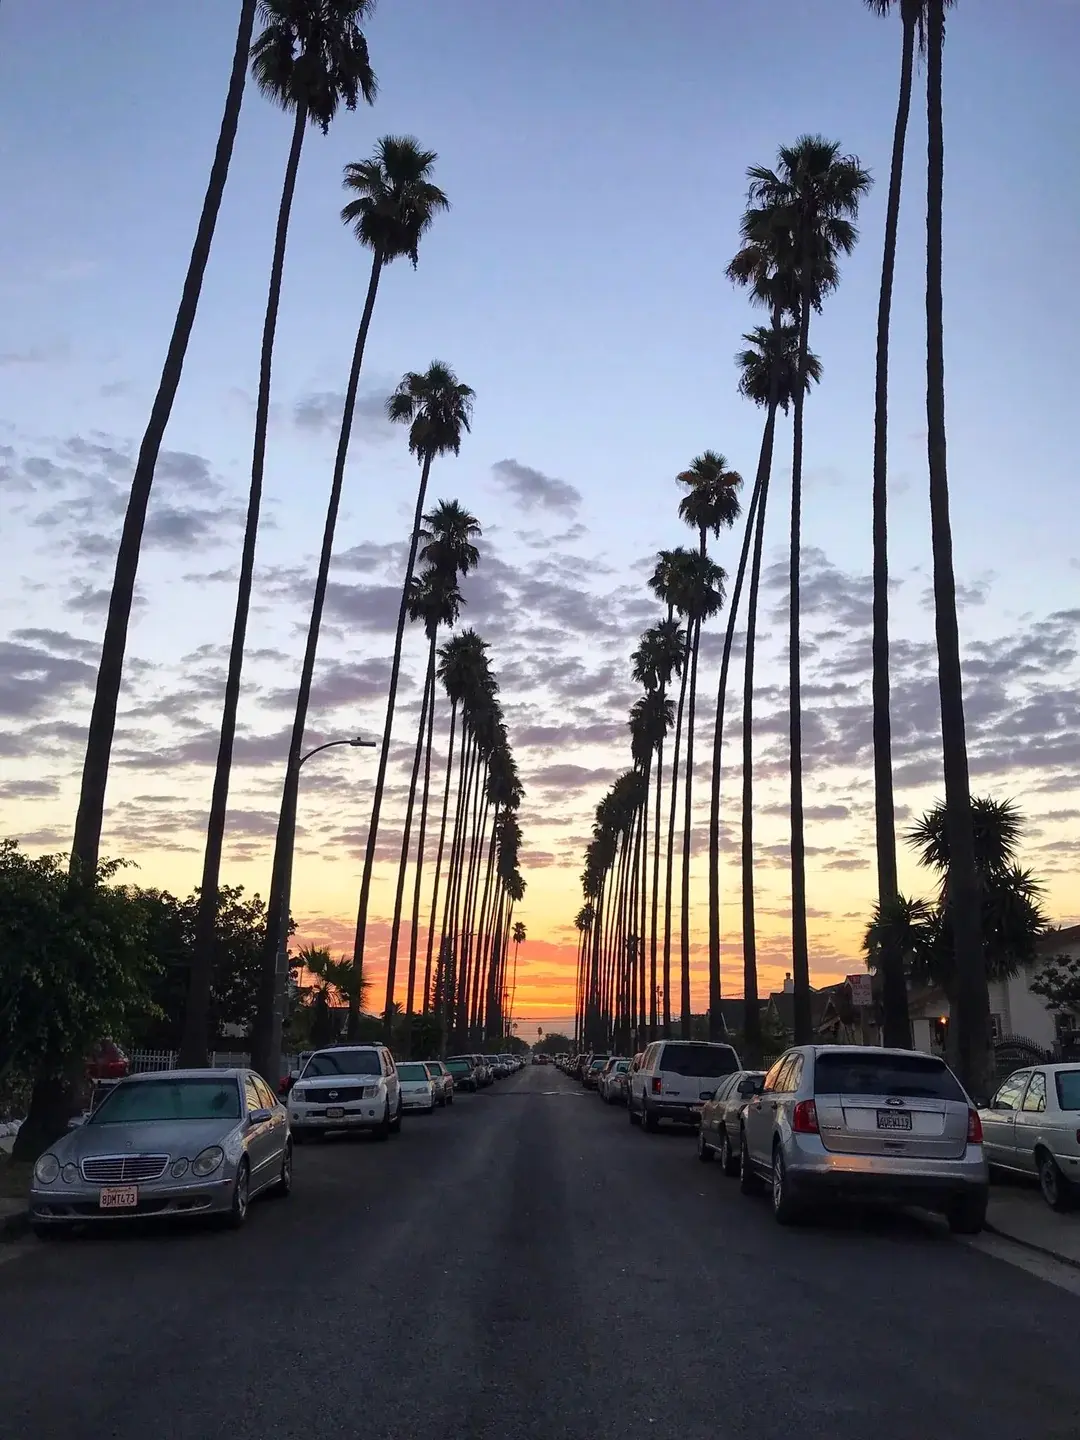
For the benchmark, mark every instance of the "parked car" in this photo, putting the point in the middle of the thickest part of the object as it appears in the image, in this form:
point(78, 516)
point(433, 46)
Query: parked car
point(675, 1079)
point(1031, 1127)
point(444, 1081)
point(463, 1073)
point(590, 1075)
point(498, 1066)
point(613, 1082)
point(165, 1144)
point(721, 1118)
point(417, 1086)
point(480, 1069)
point(347, 1087)
point(858, 1121)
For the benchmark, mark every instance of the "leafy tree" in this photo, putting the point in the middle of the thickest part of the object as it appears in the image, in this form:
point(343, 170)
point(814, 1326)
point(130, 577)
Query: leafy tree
point(1058, 982)
point(74, 969)
point(311, 58)
point(87, 839)
point(554, 1043)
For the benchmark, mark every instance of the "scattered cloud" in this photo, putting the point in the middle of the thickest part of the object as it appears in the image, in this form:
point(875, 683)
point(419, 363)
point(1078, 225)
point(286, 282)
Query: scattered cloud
point(533, 489)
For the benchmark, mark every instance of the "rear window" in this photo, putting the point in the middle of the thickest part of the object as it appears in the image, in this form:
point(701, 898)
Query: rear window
point(411, 1072)
point(458, 1067)
point(1068, 1089)
point(913, 1076)
point(699, 1061)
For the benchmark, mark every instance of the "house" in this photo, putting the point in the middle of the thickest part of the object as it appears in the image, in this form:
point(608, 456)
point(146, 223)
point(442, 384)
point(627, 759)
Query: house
point(779, 1016)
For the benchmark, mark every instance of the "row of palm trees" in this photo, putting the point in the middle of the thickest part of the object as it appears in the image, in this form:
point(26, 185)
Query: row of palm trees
point(799, 223)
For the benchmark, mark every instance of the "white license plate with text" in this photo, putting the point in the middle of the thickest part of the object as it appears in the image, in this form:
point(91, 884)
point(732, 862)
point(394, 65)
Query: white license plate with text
point(119, 1197)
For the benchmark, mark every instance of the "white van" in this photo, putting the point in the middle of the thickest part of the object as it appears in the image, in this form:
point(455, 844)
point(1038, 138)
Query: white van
point(675, 1079)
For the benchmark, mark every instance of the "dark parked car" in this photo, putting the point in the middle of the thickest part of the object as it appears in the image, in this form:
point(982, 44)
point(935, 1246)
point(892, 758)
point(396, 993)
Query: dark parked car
point(461, 1068)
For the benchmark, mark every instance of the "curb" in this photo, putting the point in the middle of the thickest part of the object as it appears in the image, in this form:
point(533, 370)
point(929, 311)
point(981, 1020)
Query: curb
point(14, 1224)
point(1031, 1245)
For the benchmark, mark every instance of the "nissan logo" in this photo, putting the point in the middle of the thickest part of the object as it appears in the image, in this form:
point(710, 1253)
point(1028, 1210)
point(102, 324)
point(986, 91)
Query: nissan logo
point(333, 1095)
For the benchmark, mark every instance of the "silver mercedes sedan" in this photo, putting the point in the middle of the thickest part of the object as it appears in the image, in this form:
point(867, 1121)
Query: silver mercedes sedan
point(167, 1144)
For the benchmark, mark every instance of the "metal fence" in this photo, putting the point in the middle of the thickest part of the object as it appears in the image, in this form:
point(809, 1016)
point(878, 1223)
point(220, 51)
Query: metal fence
point(143, 1061)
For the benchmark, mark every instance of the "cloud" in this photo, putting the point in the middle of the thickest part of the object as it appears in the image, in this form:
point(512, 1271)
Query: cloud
point(34, 682)
point(319, 412)
point(535, 490)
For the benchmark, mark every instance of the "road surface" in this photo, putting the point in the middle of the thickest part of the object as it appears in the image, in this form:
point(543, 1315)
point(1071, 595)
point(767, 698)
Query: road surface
point(528, 1265)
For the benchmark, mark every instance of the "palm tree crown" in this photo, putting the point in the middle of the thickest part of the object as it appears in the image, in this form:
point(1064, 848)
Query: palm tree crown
point(447, 536)
point(395, 198)
point(313, 53)
point(434, 598)
point(767, 347)
point(712, 503)
point(436, 406)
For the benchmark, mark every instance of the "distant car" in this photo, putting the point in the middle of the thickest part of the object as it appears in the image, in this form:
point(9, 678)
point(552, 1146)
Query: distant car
point(721, 1118)
point(347, 1087)
point(613, 1083)
point(165, 1144)
point(590, 1075)
point(463, 1072)
point(417, 1086)
point(1032, 1126)
point(444, 1081)
point(499, 1068)
point(836, 1122)
point(675, 1079)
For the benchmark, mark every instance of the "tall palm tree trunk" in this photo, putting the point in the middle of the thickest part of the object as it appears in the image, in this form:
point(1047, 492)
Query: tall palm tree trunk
point(688, 821)
point(717, 1027)
point(472, 876)
point(414, 928)
point(658, 809)
point(480, 939)
point(751, 1010)
point(266, 1035)
point(442, 1009)
point(434, 911)
point(800, 956)
point(193, 1046)
point(671, 832)
point(388, 725)
point(403, 862)
point(897, 1029)
point(87, 838)
point(643, 913)
point(461, 876)
point(971, 1023)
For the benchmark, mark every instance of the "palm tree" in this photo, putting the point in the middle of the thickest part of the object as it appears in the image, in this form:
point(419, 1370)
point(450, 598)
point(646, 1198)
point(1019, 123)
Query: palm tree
point(808, 205)
point(437, 408)
point(87, 838)
point(769, 363)
point(310, 58)
point(711, 504)
point(670, 583)
point(518, 935)
point(972, 996)
point(395, 203)
point(897, 1031)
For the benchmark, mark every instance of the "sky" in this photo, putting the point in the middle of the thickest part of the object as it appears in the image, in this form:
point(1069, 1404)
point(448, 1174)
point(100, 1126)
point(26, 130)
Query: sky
point(595, 157)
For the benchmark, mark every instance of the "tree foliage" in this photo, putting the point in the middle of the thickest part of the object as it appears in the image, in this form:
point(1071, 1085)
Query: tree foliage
point(1058, 983)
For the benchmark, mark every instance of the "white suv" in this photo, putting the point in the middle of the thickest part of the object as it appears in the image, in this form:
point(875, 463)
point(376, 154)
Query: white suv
point(675, 1079)
point(346, 1087)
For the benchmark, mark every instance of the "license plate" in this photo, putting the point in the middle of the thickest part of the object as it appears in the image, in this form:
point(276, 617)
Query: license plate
point(893, 1120)
point(119, 1197)
point(335, 1112)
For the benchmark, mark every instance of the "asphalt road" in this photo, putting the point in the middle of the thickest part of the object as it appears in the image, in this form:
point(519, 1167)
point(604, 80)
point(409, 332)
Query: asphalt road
point(528, 1265)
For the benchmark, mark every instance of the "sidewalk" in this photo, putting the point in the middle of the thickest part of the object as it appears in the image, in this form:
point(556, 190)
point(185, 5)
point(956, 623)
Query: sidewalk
point(14, 1218)
point(1018, 1212)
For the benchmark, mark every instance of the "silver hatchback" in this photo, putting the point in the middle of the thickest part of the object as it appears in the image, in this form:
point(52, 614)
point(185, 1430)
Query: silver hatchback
point(836, 1122)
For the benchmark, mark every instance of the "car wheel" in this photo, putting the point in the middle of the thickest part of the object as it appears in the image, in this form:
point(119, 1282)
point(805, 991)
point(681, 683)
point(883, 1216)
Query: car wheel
point(786, 1209)
point(635, 1118)
point(1056, 1190)
point(729, 1161)
point(382, 1130)
point(966, 1214)
point(283, 1188)
point(705, 1152)
point(241, 1196)
point(395, 1124)
point(749, 1183)
point(650, 1121)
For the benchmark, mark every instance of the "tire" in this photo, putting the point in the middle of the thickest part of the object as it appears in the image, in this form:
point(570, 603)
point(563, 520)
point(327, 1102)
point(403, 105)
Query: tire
point(649, 1121)
point(382, 1130)
point(241, 1198)
point(729, 1161)
point(395, 1124)
point(786, 1209)
point(1056, 1190)
point(749, 1183)
point(283, 1189)
point(967, 1213)
point(705, 1152)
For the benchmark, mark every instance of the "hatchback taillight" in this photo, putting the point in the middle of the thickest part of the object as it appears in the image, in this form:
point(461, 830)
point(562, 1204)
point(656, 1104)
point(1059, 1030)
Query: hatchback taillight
point(975, 1135)
point(657, 1085)
point(804, 1118)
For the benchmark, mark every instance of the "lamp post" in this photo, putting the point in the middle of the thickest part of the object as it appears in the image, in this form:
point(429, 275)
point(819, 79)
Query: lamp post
point(281, 969)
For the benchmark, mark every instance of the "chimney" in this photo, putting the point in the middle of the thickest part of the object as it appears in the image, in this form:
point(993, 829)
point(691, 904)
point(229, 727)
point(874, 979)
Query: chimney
point(789, 985)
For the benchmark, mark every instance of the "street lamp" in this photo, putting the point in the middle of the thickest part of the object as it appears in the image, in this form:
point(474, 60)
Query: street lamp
point(281, 969)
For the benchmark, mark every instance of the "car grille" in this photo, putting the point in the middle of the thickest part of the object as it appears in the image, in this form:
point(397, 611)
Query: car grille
point(116, 1169)
point(336, 1096)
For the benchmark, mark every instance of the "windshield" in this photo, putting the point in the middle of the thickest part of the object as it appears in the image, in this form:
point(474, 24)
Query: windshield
point(458, 1067)
point(342, 1062)
point(1068, 1089)
point(921, 1077)
point(598, 1064)
point(169, 1100)
point(412, 1072)
point(699, 1061)
point(622, 1067)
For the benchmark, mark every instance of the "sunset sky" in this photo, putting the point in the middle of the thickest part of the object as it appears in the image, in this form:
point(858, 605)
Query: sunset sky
point(595, 156)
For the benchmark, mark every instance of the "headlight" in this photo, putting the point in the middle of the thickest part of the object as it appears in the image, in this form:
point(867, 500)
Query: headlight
point(370, 1091)
point(179, 1167)
point(47, 1169)
point(299, 1094)
point(70, 1173)
point(207, 1161)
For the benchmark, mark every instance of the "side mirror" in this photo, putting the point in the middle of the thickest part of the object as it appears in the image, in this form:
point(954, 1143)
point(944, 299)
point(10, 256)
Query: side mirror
point(76, 1121)
point(749, 1087)
point(259, 1117)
